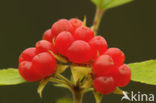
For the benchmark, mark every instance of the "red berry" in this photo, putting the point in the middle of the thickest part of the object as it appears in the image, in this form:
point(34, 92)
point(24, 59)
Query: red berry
point(117, 55)
point(83, 33)
point(63, 41)
point(75, 23)
point(104, 85)
point(122, 75)
point(79, 52)
point(26, 71)
point(27, 54)
point(103, 65)
point(99, 44)
point(44, 46)
point(47, 35)
point(44, 64)
point(60, 26)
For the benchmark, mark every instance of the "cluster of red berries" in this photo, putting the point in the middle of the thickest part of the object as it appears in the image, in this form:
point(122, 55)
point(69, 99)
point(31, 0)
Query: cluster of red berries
point(110, 72)
point(37, 63)
point(77, 43)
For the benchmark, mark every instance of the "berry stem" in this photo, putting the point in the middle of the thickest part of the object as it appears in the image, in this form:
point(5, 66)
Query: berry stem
point(98, 16)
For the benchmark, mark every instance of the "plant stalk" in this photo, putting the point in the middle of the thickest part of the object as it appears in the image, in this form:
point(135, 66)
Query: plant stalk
point(97, 19)
point(77, 95)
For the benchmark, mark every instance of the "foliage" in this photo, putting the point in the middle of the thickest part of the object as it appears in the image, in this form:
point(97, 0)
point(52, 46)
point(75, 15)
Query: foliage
point(107, 4)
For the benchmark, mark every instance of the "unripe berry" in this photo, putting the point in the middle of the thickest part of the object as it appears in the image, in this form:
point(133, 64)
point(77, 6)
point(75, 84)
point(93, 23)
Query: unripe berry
point(63, 41)
point(117, 55)
point(103, 65)
point(75, 23)
point(122, 75)
point(60, 26)
point(44, 46)
point(47, 35)
point(104, 85)
point(26, 71)
point(44, 64)
point(83, 33)
point(99, 45)
point(27, 54)
point(79, 52)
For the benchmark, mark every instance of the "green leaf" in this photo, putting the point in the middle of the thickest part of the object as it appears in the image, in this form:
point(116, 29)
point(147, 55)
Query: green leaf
point(88, 90)
point(64, 100)
point(88, 82)
point(119, 91)
point(79, 72)
point(61, 85)
point(10, 76)
point(116, 3)
point(101, 3)
point(144, 72)
point(98, 97)
point(106, 4)
point(61, 68)
point(42, 85)
point(85, 21)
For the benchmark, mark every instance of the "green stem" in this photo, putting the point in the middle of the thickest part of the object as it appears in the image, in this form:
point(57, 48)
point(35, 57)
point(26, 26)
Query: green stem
point(76, 90)
point(97, 19)
point(77, 95)
point(64, 79)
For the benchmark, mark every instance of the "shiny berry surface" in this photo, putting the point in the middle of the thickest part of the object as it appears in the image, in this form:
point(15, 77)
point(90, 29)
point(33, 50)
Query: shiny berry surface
point(26, 71)
point(47, 35)
point(79, 52)
point(99, 45)
point(44, 46)
point(63, 41)
point(60, 26)
point(27, 54)
point(44, 64)
point(103, 65)
point(83, 33)
point(75, 23)
point(122, 75)
point(117, 55)
point(104, 85)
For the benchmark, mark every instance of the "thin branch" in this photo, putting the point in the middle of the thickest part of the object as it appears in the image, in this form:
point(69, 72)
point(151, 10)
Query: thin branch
point(98, 17)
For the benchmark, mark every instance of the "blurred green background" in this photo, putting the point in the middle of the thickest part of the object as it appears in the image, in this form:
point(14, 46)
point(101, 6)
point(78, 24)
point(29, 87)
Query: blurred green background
point(22, 22)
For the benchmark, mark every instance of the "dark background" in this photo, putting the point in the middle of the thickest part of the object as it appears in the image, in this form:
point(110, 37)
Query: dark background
point(131, 27)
